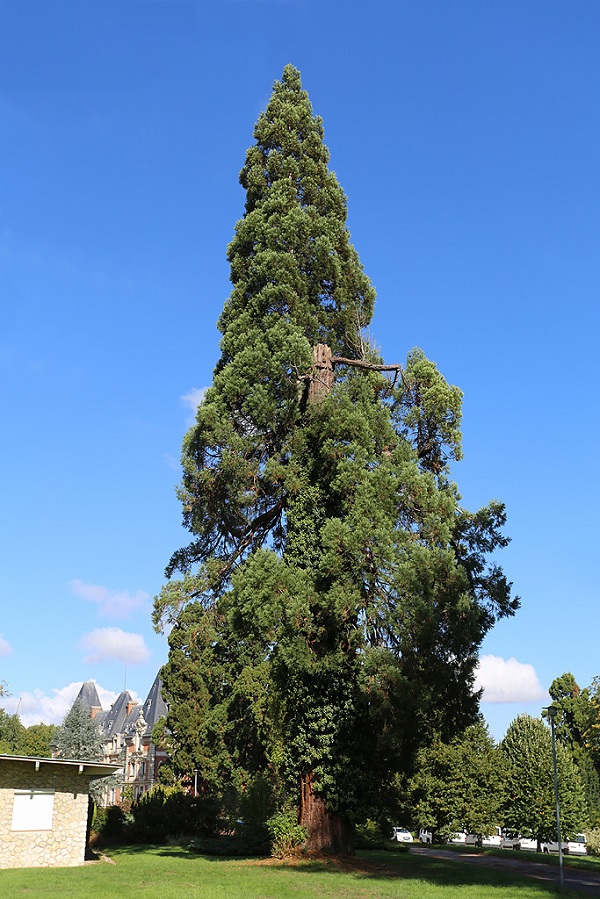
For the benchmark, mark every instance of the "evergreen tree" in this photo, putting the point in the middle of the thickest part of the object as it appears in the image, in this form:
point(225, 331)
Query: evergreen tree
point(339, 592)
point(79, 736)
point(530, 801)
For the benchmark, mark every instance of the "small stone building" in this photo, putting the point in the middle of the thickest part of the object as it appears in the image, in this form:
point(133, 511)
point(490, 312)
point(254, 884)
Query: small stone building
point(44, 810)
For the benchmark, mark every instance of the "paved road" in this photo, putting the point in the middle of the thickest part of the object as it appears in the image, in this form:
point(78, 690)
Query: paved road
point(575, 879)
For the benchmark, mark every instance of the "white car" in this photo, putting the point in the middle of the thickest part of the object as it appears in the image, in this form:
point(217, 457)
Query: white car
point(576, 846)
point(459, 837)
point(402, 835)
point(513, 840)
point(528, 842)
point(491, 840)
point(509, 839)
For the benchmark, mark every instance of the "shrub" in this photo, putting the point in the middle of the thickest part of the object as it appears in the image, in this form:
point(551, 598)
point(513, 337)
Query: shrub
point(371, 836)
point(109, 825)
point(286, 835)
point(167, 812)
point(593, 841)
point(247, 844)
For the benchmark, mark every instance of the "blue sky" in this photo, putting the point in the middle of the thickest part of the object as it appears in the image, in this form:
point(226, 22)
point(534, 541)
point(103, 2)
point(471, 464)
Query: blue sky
point(466, 137)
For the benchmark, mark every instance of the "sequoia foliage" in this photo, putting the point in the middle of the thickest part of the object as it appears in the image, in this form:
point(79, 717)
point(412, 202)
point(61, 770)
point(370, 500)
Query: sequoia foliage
point(335, 592)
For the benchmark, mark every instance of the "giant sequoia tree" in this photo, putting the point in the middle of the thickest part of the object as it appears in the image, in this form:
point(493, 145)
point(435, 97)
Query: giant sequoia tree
point(335, 593)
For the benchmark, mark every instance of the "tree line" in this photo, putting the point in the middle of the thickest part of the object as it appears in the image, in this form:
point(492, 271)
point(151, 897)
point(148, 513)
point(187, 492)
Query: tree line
point(78, 737)
point(473, 784)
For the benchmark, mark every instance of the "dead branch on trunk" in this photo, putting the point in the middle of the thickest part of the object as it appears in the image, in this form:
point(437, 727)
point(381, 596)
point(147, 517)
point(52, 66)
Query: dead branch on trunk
point(321, 377)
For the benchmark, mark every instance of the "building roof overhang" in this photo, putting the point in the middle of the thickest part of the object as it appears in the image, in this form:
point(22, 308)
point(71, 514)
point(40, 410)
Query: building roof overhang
point(90, 769)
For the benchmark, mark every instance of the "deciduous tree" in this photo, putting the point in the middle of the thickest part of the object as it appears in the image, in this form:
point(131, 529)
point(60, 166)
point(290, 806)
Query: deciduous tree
point(37, 740)
point(530, 802)
point(576, 728)
point(339, 590)
point(459, 785)
point(11, 734)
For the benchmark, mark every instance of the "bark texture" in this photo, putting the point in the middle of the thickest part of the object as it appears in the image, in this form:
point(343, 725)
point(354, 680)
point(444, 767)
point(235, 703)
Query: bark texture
point(321, 377)
point(327, 832)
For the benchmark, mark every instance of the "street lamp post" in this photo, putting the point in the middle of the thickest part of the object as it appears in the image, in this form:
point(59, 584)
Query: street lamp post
point(550, 712)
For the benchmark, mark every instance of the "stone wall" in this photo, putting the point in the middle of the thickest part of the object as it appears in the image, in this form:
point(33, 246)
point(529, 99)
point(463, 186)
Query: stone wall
point(64, 844)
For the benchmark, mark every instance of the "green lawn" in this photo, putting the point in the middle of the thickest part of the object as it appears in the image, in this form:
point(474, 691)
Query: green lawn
point(171, 873)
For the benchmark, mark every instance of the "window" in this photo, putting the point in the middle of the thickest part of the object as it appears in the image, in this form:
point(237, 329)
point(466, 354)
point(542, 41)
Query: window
point(32, 810)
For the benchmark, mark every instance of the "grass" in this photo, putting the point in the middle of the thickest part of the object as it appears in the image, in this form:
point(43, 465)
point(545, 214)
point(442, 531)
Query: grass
point(170, 872)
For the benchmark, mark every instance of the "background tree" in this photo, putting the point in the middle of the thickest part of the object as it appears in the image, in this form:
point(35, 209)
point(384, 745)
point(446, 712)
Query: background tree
point(79, 735)
point(11, 734)
point(530, 802)
point(575, 730)
point(79, 738)
point(339, 591)
point(37, 740)
point(592, 735)
point(573, 720)
point(459, 785)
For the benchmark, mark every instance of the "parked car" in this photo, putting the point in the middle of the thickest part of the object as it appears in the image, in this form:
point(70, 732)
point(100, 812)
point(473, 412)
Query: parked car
point(552, 846)
point(402, 835)
point(576, 846)
point(426, 836)
point(511, 839)
point(527, 841)
point(458, 837)
point(488, 840)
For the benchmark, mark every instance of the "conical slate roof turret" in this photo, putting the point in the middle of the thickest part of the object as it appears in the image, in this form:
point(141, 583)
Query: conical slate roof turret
point(88, 695)
point(154, 707)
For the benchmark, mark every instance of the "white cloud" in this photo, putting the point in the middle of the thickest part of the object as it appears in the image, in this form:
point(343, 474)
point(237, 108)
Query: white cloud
point(114, 603)
point(507, 680)
point(37, 707)
point(113, 643)
point(5, 647)
point(191, 401)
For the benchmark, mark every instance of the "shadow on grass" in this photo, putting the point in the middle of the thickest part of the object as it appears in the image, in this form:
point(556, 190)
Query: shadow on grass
point(374, 866)
point(175, 851)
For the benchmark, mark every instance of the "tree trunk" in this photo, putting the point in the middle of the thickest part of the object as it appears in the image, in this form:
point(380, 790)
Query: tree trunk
point(321, 376)
point(321, 380)
point(327, 832)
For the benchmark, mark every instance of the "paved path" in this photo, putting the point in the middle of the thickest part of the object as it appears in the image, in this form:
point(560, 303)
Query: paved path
point(575, 879)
